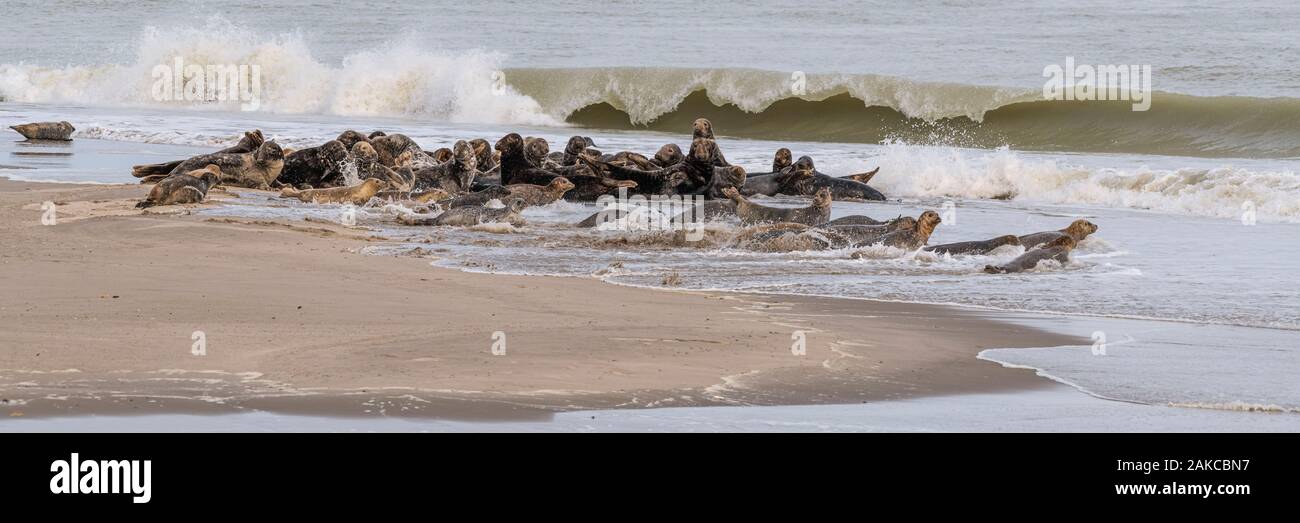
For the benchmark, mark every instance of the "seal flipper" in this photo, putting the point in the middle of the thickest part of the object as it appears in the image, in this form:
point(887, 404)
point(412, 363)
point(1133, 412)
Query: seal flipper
point(863, 177)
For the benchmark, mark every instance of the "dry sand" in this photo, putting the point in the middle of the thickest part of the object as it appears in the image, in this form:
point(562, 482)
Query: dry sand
point(98, 312)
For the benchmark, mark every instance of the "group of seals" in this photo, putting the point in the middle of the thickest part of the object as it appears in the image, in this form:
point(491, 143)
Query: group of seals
point(459, 185)
point(58, 131)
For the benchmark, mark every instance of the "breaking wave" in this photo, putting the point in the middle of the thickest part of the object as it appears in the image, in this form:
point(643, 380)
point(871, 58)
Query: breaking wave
point(404, 79)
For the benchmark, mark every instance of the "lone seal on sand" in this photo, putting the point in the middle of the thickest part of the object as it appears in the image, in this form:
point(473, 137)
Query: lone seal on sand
point(191, 187)
point(357, 194)
point(61, 131)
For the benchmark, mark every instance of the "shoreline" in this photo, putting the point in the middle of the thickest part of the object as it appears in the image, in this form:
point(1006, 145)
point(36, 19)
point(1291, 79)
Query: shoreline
point(296, 320)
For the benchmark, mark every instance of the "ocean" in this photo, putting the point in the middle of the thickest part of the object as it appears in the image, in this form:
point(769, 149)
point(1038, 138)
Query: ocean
point(1190, 282)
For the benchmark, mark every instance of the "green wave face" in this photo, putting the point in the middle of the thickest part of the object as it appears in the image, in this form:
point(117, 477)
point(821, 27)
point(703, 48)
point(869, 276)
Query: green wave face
point(872, 109)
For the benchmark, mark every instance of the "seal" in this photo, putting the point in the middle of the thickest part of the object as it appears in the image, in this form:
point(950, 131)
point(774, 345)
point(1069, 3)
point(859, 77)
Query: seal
point(842, 189)
point(627, 159)
point(863, 235)
point(255, 170)
point(535, 150)
point(247, 144)
point(471, 216)
point(52, 131)
point(483, 153)
point(575, 147)
point(1079, 229)
point(421, 160)
point(1057, 249)
point(668, 154)
point(782, 159)
point(376, 134)
point(357, 194)
point(456, 175)
point(534, 195)
point(855, 219)
point(314, 166)
point(770, 184)
point(732, 176)
point(191, 187)
point(59, 131)
point(367, 164)
point(349, 138)
point(590, 188)
point(435, 195)
point(911, 238)
point(479, 198)
point(751, 213)
point(976, 247)
point(703, 128)
point(390, 146)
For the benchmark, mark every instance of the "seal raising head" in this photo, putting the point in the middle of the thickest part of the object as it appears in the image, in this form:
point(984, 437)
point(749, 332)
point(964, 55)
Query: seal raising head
point(781, 159)
point(703, 128)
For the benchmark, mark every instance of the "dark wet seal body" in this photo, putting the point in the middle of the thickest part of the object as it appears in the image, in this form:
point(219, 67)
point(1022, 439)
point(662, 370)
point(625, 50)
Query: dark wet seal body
point(1078, 230)
point(1058, 249)
point(57, 131)
point(191, 187)
point(974, 247)
point(751, 213)
point(247, 144)
point(841, 188)
point(314, 166)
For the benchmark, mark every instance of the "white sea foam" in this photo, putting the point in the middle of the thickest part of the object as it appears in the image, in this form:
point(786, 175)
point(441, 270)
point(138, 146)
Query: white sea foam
point(400, 79)
point(1221, 192)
